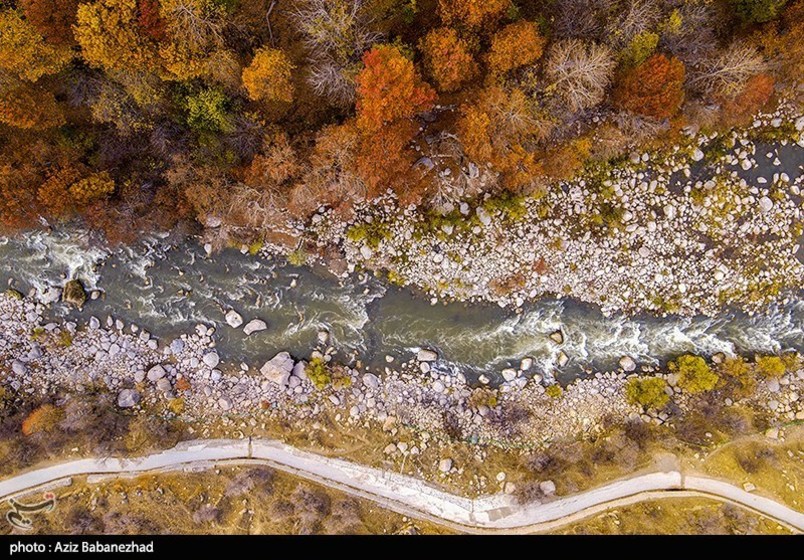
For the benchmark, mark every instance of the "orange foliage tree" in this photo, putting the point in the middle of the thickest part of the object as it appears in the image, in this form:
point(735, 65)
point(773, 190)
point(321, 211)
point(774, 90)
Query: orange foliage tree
point(389, 88)
point(655, 88)
point(53, 194)
point(42, 419)
point(28, 106)
point(52, 18)
point(498, 129)
point(471, 13)
point(268, 77)
point(515, 45)
point(447, 58)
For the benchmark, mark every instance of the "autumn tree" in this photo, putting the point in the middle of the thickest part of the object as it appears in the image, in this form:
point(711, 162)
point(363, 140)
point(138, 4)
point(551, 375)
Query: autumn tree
point(472, 14)
point(579, 72)
point(53, 19)
point(448, 59)
point(336, 34)
point(654, 89)
point(91, 188)
point(53, 193)
point(782, 41)
point(42, 419)
point(649, 392)
point(24, 52)
point(694, 374)
point(757, 11)
point(107, 31)
point(727, 73)
point(755, 94)
point(28, 106)
point(498, 128)
point(389, 88)
point(150, 21)
point(518, 44)
point(268, 77)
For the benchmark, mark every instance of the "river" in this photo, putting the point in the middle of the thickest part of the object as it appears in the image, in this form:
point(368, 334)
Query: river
point(167, 286)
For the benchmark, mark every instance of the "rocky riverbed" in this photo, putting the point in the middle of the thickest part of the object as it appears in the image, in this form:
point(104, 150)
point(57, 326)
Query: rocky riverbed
point(187, 377)
point(714, 221)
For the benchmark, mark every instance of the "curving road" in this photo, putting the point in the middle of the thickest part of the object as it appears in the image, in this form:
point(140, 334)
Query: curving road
point(408, 495)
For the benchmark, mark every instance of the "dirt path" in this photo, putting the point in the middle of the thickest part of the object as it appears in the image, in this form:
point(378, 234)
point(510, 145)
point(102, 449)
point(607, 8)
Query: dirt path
point(408, 495)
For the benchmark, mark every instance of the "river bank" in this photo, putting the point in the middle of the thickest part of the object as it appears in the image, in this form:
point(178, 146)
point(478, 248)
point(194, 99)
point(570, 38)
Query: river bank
point(713, 221)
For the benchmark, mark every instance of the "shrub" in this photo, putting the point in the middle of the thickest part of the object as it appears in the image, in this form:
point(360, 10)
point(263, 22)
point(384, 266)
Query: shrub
point(207, 111)
point(695, 375)
point(770, 366)
point(739, 374)
point(318, 372)
point(648, 392)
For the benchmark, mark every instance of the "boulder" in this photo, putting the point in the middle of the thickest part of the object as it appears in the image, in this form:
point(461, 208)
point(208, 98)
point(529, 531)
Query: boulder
point(128, 398)
point(278, 369)
point(562, 359)
point(18, 367)
point(526, 364)
point(74, 293)
point(300, 370)
point(177, 346)
point(233, 319)
point(509, 374)
point(211, 359)
point(445, 465)
point(547, 487)
point(371, 381)
point(425, 355)
point(557, 337)
point(164, 385)
point(627, 363)
point(156, 373)
point(255, 325)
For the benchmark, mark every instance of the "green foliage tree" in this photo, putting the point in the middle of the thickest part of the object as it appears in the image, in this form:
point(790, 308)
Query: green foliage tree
point(757, 11)
point(318, 372)
point(647, 391)
point(207, 110)
point(695, 375)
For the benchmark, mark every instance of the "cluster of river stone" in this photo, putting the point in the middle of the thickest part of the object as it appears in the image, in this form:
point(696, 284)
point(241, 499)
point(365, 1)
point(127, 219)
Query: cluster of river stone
point(44, 358)
point(665, 242)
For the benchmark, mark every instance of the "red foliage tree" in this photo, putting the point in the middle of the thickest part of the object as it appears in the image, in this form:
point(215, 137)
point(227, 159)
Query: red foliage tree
point(149, 20)
point(754, 95)
point(655, 88)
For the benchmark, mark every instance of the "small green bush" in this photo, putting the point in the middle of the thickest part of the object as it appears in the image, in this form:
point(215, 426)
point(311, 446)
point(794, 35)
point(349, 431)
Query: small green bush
point(318, 372)
point(554, 390)
point(770, 366)
point(648, 392)
point(695, 375)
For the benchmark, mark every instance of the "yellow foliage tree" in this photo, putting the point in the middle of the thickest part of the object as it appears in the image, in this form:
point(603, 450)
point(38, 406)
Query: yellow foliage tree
point(268, 77)
point(24, 52)
point(92, 188)
point(107, 33)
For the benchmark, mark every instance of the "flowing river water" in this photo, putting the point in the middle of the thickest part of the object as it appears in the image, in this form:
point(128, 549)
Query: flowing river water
point(167, 287)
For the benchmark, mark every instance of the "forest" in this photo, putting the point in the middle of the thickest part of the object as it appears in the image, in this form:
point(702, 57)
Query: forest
point(251, 115)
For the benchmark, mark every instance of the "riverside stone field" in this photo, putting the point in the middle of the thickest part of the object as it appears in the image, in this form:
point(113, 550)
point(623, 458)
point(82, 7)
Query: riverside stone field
point(715, 222)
